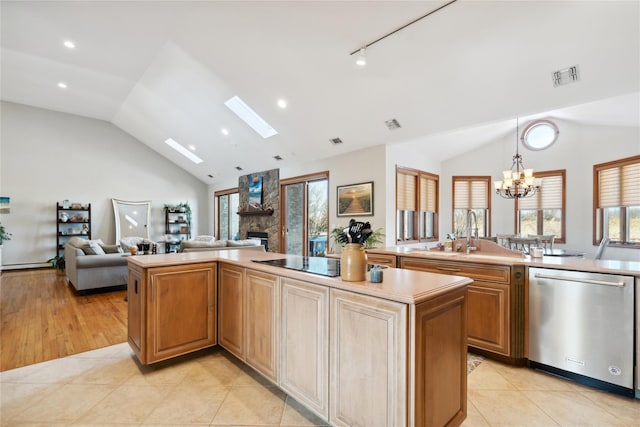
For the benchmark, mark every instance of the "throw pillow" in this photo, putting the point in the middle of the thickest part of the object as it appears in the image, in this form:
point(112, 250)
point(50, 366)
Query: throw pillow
point(111, 249)
point(93, 248)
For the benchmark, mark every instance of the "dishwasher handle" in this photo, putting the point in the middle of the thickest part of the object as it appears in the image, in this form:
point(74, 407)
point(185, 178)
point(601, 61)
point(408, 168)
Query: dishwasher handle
point(577, 279)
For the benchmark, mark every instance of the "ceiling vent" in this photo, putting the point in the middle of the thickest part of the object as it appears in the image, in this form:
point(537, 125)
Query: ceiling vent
point(210, 176)
point(238, 168)
point(335, 141)
point(566, 76)
point(392, 124)
point(277, 157)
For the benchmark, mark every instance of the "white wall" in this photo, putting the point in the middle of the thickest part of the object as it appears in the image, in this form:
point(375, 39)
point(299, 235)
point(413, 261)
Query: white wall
point(578, 148)
point(47, 157)
point(351, 168)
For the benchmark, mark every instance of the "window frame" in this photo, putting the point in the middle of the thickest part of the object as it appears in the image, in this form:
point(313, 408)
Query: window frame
point(418, 174)
point(217, 195)
point(598, 217)
point(487, 216)
point(540, 221)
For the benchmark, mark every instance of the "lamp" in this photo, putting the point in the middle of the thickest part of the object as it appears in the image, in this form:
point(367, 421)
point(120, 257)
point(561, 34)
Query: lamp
point(361, 59)
point(517, 182)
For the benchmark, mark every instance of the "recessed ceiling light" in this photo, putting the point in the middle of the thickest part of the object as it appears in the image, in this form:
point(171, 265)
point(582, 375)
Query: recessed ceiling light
point(62, 85)
point(250, 117)
point(180, 149)
point(69, 44)
point(224, 131)
point(192, 147)
point(282, 103)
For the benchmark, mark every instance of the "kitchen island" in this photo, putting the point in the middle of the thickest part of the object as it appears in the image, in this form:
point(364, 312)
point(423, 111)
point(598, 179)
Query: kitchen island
point(355, 353)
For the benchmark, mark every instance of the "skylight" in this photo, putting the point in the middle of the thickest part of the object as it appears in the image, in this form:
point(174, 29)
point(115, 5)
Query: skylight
point(250, 117)
point(180, 149)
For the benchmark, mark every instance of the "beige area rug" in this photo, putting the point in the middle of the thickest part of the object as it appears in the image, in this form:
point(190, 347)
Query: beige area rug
point(473, 360)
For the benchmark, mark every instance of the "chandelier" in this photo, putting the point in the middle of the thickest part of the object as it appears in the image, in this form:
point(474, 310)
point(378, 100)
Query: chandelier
point(517, 182)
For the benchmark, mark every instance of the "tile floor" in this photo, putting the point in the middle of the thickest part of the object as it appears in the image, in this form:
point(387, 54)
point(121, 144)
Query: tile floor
point(107, 387)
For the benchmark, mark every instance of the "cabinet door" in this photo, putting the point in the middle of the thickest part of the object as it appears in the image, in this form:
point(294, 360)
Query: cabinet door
point(231, 309)
point(488, 318)
point(262, 317)
point(135, 297)
point(304, 354)
point(181, 315)
point(368, 361)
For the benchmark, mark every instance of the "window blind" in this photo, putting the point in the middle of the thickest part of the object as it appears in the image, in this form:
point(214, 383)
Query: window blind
point(427, 194)
point(619, 186)
point(406, 194)
point(548, 197)
point(471, 194)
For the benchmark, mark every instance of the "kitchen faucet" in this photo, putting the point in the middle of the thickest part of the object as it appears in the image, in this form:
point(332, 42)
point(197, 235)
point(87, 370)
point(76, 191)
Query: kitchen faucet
point(471, 214)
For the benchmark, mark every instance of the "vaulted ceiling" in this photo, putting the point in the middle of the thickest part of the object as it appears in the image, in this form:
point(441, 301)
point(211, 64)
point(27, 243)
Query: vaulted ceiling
point(164, 69)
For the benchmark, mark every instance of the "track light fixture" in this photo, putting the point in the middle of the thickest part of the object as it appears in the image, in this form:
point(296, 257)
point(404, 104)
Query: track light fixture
point(361, 59)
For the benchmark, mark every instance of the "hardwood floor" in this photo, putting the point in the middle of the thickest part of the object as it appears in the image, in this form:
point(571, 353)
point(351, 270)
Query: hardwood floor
point(44, 318)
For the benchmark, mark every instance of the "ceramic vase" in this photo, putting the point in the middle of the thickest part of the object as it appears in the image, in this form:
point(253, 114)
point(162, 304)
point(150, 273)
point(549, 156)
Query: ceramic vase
point(353, 263)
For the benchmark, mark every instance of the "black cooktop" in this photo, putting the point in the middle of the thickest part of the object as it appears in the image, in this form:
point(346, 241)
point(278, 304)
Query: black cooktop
point(309, 264)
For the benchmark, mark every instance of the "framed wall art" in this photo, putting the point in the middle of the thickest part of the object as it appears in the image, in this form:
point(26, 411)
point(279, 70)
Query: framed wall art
point(255, 192)
point(355, 199)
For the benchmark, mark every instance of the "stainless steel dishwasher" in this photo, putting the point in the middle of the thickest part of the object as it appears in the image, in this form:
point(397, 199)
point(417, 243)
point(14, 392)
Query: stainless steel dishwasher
point(581, 326)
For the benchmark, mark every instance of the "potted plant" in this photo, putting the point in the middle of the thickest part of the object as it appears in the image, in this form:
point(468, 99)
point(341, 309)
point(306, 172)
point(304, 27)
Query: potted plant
point(375, 239)
point(4, 234)
point(58, 263)
point(180, 207)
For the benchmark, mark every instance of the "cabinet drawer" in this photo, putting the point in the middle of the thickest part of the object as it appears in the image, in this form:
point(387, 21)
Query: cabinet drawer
point(484, 272)
point(381, 259)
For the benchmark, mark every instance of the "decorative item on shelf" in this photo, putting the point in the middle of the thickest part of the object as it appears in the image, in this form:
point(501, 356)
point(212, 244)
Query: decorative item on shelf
point(517, 182)
point(76, 206)
point(85, 229)
point(66, 204)
point(64, 217)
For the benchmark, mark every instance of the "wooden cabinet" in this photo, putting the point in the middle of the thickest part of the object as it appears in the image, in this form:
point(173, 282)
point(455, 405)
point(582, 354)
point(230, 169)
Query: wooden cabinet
point(438, 390)
point(304, 343)
point(495, 299)
point(231, 317)
point(171, 310)
point(381, 259)
point(73, 220)
point(135, 309)
point(368, 348)
point(262, 313)
point(248, 317)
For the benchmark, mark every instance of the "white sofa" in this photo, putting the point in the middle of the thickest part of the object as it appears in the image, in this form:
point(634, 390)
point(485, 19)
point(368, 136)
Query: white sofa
point(209, 243)
point(106, 266)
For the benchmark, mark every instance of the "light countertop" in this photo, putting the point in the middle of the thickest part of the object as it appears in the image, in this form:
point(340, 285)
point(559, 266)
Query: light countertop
point(405, 286)
point(564, 263)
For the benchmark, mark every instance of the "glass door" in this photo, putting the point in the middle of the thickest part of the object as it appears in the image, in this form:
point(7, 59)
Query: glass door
point(294, 213)
point(305, 224)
